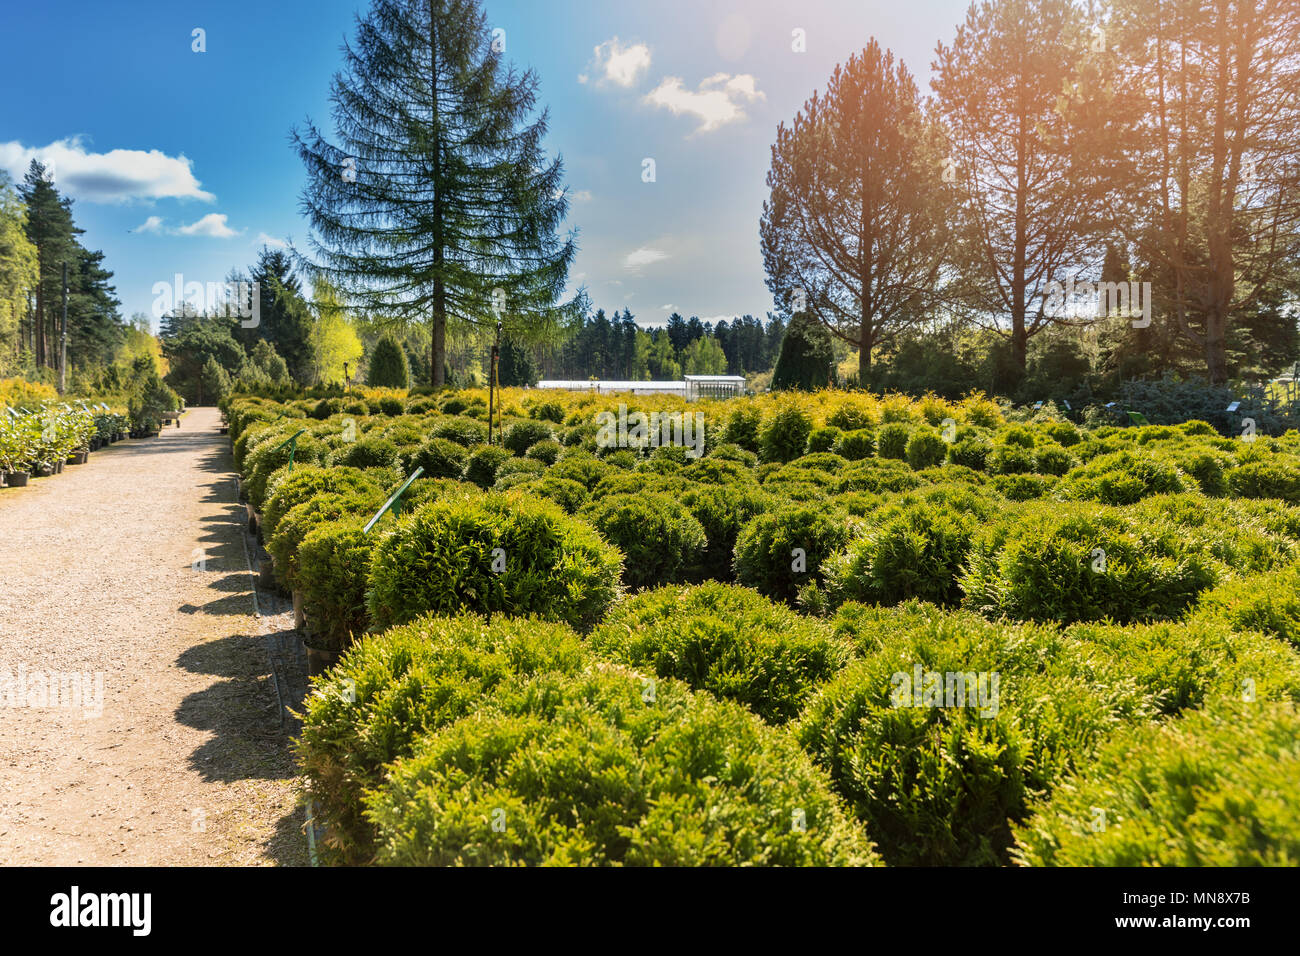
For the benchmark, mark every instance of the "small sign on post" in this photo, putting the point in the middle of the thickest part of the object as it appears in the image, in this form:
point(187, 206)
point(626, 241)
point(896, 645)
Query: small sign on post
point(394, 501)
point(1234, 406)
point(293, 446)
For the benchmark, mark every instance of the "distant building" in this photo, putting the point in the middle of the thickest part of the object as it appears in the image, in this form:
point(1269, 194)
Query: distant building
point(692, 387)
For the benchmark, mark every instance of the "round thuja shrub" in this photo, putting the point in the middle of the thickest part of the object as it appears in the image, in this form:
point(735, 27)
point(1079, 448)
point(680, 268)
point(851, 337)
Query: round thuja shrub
point(940, 736)
point(1208, 469)
point(522, 435)
point(851, 416)
point(1214, 788)
point(878, 475)
point(1054, 562)
point(325, 408)
point(547, 412)
point(742, 427)
point(1053, 460)
point(892, 441)
point(569, 495)
point(1274, 477)
point(925, 448)
point(1268, 603)
point(918, 553)
point(269, 457)
point(970, 452)
point(300, 520)
point(483, 464)
point(393, 689)
point(856, 444)
point(1010, 459)
point(784, 435)
point(441, 458)
point(1024, 487)
point(658, 535)
point(290, 488)
point(1121, 478)
point(463, 431)
point(368, 451)
point(722, 512)
point(822, 439)
point(333, 566)
point(389, 367)
point(725, 452)
point(496, 553)
point(519, 469)
point(727, 640)
point(547, 451)
point(780, 551)
point(585, 469)
point(594, 774)
point(391, 406)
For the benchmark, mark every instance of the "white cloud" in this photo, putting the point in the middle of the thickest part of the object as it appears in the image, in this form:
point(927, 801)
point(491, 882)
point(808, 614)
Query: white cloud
point(264, 240)
point(668, 308)
point(118, 176)
point(643, 257)
point(719, 99)
point(213, 226)
point(618, 64)
point(152, 224)
point(582, 195)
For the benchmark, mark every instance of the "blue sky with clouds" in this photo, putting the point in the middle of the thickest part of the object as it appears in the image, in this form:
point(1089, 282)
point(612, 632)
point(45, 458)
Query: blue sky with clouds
point(180, 161)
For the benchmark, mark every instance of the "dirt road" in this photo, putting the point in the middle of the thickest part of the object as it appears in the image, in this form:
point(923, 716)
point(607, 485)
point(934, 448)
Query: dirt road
point(129, 573)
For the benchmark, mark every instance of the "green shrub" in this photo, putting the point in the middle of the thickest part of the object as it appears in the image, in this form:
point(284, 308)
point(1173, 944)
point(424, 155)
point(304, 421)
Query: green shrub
point(391, 406)
point(1065, 434)
point(1189, 664)
point(1061, 563)
point(918, 553)
point(1121, 478)
point(785, 435)
point(441, 558)
point(780, 551)
point(718, 471)
point(290, 488)
point(522, 435)
point(822, 439)
point(585, 469)
point(658, 535)
point(520, 469)
point(547, 412)
point(741, 428)
point(855, 445)
point(1053, 460)
point(483, 464)
point(1276, 477)
point(734, 453)
point(569, 495)
point(369, 451)
point(546, 451)
point(392, 689)
point(1207, 468)
point(302, 519)
point(877, 475)
point(267, 458)
point(596, 775)
point(463, 431)
point(938, 772)
point(925, 448)
point(1010, 460)
point(726, 640)
point(850, 416)
point(892, 441)
point(722, 512)
point(970, 452)
point(440, 458)
point(1214, 789)
point(1024, 487)
point(332, 568)
point(1268, 603)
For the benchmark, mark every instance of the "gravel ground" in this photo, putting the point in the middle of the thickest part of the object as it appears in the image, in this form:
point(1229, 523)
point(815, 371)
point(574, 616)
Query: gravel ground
point(133, 567)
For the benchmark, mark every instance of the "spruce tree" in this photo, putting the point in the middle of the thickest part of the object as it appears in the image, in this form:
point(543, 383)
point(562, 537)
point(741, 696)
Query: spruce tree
point(807, 357)
point(436, 193)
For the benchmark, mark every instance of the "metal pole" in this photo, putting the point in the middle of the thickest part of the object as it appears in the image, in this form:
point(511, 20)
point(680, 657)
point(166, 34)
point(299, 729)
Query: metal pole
point(63, 347)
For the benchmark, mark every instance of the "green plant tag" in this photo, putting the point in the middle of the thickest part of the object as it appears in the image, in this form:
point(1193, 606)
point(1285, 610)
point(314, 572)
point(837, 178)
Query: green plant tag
point(393, 502)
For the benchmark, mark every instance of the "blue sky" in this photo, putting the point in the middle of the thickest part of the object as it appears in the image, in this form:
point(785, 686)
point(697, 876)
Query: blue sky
point(180, 161)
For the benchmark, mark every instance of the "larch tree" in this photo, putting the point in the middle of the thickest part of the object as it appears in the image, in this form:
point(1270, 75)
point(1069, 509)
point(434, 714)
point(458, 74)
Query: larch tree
point(436, 203)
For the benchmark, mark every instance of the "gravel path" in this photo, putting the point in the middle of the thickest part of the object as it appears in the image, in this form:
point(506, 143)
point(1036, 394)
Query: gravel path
point(132, 568)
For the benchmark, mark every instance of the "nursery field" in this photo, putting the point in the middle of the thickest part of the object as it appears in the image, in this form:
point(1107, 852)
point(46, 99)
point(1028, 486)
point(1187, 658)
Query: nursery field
point(828, 629)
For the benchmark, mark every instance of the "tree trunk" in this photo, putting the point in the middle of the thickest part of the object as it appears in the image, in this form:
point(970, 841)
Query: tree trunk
point(864, 352)
point(1216, 349)
point(438, 323)
point(438, 338)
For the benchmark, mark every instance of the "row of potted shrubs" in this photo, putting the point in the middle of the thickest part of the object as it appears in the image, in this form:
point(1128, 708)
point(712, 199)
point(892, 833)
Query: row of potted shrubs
point(662, 631)
point(38, 442)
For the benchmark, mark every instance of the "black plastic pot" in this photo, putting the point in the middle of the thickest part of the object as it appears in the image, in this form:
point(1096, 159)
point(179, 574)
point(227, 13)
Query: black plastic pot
point(44, 471)
point(16, 479)
point(319, 661)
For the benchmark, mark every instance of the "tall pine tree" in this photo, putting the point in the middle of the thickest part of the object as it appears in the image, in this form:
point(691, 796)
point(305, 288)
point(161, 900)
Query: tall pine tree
point(436, 203)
